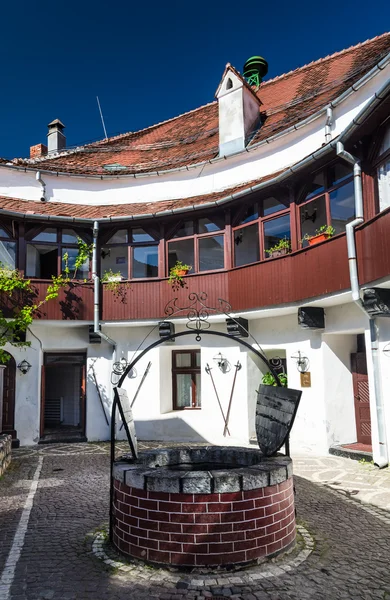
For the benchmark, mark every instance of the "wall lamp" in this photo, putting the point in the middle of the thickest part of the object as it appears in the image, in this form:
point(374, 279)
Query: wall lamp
point(24, 367)
point(302, 362)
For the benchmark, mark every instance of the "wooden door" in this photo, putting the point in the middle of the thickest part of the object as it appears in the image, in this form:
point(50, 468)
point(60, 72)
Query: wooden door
point(9, 398)
point(362, 397)
point(42, 423)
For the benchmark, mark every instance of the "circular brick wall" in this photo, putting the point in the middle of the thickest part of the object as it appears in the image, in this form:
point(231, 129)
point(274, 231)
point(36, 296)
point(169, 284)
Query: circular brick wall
point(206, 517)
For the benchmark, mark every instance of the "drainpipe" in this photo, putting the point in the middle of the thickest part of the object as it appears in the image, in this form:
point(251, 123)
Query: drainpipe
point(380, 454)
point(43, 186)
point(328, 124)
point(96, 281)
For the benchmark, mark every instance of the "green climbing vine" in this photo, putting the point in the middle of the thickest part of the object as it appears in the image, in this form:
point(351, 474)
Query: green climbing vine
point(19, 304)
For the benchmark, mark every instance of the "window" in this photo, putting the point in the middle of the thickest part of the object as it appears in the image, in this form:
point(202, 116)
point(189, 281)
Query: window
point(186, 379)
point(328, 199)
point(258, 227)
point(131, 252)
point(200, 244)
point(46, 250)
point(383, 171)
point(7, 250)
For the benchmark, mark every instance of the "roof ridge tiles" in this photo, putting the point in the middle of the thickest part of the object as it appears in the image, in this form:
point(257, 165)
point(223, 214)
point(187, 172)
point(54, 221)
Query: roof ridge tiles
point(323, 59)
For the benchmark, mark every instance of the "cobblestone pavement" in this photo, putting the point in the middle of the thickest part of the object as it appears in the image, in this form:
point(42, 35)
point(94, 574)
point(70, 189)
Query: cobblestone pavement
point(54, 560)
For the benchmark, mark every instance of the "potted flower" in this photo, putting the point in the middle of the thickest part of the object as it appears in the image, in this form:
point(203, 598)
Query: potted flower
point(280, 249)
point(321, 234)
point(176, 274)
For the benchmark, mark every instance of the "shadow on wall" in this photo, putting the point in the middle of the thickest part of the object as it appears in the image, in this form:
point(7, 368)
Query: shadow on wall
point(102, 397)
point(171, 429)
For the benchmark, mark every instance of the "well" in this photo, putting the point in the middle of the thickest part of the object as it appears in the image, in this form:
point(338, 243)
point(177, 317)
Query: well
point(203, 506)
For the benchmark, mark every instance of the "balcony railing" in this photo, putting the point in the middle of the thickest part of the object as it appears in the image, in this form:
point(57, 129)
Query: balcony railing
point(308, 273)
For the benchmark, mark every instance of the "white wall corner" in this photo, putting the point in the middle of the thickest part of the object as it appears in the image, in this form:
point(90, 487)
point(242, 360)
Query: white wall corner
point(238, 112)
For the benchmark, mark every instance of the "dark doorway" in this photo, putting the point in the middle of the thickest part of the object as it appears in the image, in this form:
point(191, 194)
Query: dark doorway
point(63, 398)
point(48, 264)
point(361, 397)
point(9, 401)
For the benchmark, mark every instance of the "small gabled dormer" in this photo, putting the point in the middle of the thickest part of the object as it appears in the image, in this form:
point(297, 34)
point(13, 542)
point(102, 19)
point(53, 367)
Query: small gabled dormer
point(239, 111)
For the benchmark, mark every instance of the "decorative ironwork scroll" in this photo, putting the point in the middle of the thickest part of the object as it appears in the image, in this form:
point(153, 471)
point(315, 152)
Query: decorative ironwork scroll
point(197, 311)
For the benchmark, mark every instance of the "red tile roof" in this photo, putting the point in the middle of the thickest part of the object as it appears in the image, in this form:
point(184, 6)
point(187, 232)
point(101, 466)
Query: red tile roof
point(193, 137)
point(82, 211)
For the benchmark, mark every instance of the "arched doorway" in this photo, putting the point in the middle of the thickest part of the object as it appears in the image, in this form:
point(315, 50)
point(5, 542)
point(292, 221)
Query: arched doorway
point(9, 401)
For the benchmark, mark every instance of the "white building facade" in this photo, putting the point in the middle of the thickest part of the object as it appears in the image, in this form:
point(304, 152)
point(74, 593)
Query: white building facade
point(217, 189)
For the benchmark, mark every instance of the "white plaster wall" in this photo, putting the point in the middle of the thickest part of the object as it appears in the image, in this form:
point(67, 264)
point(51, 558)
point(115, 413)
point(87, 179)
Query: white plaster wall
point(384, 360)
point(338, 388)
point(220, 175)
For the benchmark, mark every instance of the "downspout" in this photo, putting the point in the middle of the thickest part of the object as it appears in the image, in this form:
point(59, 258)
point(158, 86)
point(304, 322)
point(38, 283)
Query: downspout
point(380, 454)
point(328, 124)
point(43, 186)
point(96, 281)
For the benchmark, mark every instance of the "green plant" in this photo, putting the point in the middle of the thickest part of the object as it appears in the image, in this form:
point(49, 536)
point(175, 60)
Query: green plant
point(113, 281)
point(176, 274)
point(269, 379)
point(283, 244)
point(22, 305)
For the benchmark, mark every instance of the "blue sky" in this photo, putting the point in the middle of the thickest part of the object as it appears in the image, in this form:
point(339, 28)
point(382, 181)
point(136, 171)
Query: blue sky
point(149, 61)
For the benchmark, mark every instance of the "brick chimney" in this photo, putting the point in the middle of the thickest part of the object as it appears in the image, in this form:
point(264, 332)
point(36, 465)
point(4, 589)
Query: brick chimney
point(38, 150)
point(56, 140)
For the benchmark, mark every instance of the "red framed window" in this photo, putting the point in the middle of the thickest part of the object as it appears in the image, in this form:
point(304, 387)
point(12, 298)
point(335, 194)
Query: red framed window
point(130, 253)
point(45, 251)
point(327, 199)
point(186, 379)
point(258, 227)
point(199, 243)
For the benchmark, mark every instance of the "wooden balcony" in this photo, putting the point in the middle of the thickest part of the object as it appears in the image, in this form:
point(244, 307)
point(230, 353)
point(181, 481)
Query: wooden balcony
point(297, 277)
point(74, 303)
point(303, 275)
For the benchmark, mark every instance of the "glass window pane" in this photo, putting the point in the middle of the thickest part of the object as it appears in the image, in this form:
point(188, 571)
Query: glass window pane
point(384, 185)
point(82, 272)
point(272, 205)
point(338, 172)
point(211, 253)
point(276, 230)
point(316, 186)
point(145, 261)
point(47, 235)
point(197, 357)
point(342, 206)
point(41, 261)
point(186, 228)
point(114, 259)
point(3, 233)
point(251, 214)
point(313, 216)
point(209, 225)
point(198, 390)
point(246, 245)
point(120, 237)
point(183, 359)
point(69, 236)
point(183, 390)
point(183, 251)
point(385, 145)
point(8, 254)
point(140, 235)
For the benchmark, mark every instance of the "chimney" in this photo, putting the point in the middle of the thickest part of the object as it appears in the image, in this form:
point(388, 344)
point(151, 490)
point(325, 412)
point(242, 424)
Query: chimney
point(56, 141)
point(239, 112)
point(38, 150)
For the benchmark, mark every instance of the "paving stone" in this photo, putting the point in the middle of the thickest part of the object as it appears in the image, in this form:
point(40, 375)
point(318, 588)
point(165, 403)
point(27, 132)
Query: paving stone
point(350, 558)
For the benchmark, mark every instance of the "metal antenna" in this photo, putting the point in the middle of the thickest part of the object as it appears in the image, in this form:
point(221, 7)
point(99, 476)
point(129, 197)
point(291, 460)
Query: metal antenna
point(101, 116)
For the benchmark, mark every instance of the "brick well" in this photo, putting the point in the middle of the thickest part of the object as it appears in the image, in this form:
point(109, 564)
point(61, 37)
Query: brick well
point(205, 529)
